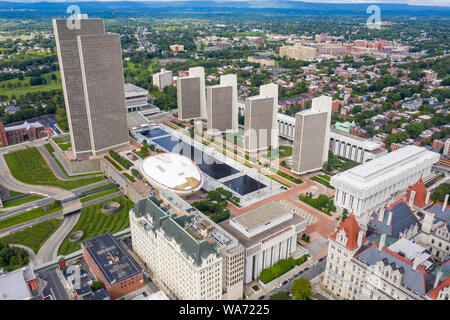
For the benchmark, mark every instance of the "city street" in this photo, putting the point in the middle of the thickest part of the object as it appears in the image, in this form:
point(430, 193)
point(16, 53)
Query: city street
point(310, 274)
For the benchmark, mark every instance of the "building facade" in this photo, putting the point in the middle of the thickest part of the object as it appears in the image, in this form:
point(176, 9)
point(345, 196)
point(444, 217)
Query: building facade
point(136, 98)
point(191, 95)
point(163, 79)
point(358, 269)
point(221, 104)
point(268, 233)
point(112, 265)
point(188, 254)
point(309, 141)
point(351, 147)
point(22, 132)
point(369, 186)
point(92, 76)
point(260, 123)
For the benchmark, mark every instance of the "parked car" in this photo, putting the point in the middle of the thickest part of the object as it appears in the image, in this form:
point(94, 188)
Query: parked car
point(284, 283)
point(320, 260)
point(261, 298)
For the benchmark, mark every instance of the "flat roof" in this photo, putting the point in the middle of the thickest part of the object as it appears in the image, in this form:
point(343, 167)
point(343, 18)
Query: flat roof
point(260, 216)
point(111, 258)
point(13, 285)
point(374, 173)
point(132, 90)
point(276, 229)
point(173, 171)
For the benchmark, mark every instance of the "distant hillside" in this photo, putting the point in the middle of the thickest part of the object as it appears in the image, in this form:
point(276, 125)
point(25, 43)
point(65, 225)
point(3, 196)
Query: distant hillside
point(272, 7)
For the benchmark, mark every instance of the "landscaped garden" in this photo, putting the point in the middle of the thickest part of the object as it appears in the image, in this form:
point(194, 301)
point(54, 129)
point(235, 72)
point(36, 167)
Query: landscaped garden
point(215, 207)
point(94, 222)
point(323, 179)
point(280, 268)
point(322, 202)
point(35, 236)
point(28, 166)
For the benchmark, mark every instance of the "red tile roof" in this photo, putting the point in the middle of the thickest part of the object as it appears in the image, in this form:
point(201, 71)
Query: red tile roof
point(421, 193)
point(435, 292)
point(351, 228)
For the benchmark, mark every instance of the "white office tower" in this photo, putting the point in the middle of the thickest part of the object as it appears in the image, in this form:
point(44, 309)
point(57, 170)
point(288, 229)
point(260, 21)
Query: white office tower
point(221, 105)
point(271, 90)
point(261, 127)
point(324, 104)
point(163, 79)
point(309, 141)
point(191, 95)
point(370, 186)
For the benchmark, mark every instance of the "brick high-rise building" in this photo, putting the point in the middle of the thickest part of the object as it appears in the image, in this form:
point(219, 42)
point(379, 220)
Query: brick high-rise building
point(91, 72)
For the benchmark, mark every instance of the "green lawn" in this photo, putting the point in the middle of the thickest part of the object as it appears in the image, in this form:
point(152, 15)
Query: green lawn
point(35, 236)
point(28, 166)
point(93, 223)
point(51, 85)
point(28, 215)
point(114, 163)
point(323, 179)
point(18, 202)
point(99, 194)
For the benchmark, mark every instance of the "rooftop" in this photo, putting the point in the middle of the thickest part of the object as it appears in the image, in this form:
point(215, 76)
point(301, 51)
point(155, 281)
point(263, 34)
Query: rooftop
point(373, 174)
point(263, 215)
point(13, 285)
point(174, 227)
point(111, 258)
point(132, 90)
point(173, 171)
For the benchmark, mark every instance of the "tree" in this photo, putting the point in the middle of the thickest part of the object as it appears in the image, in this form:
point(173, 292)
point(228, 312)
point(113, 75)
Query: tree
point(301, 289)
point(280, 296)
point(97, 285)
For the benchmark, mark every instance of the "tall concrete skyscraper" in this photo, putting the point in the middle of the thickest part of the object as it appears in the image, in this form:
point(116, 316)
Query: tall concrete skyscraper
point(191, 95)
point(312, 136)
point(90, 62)
point(261, 129)
point(221, 106)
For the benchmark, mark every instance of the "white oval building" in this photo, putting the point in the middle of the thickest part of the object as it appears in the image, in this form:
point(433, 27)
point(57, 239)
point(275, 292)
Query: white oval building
point(172, 171)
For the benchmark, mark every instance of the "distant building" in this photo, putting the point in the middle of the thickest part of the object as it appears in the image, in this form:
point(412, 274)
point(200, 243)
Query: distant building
point(262, 60)
point(312, 136)
point(221, 104)
point(299, 52)
point(163, 79)
point(22, 132)
point(268, 233)
point(191, 95)
point(136, 98)
point(20, 284)
point(412, 104)
point(91, 72)
point(112, 265)
point(447, 148)
point(177, 47)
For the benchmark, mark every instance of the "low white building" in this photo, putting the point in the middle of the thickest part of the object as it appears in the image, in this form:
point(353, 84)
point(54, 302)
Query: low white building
point(136, 98)
point(369, 186)
point(351, 147)
point(268, 234)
